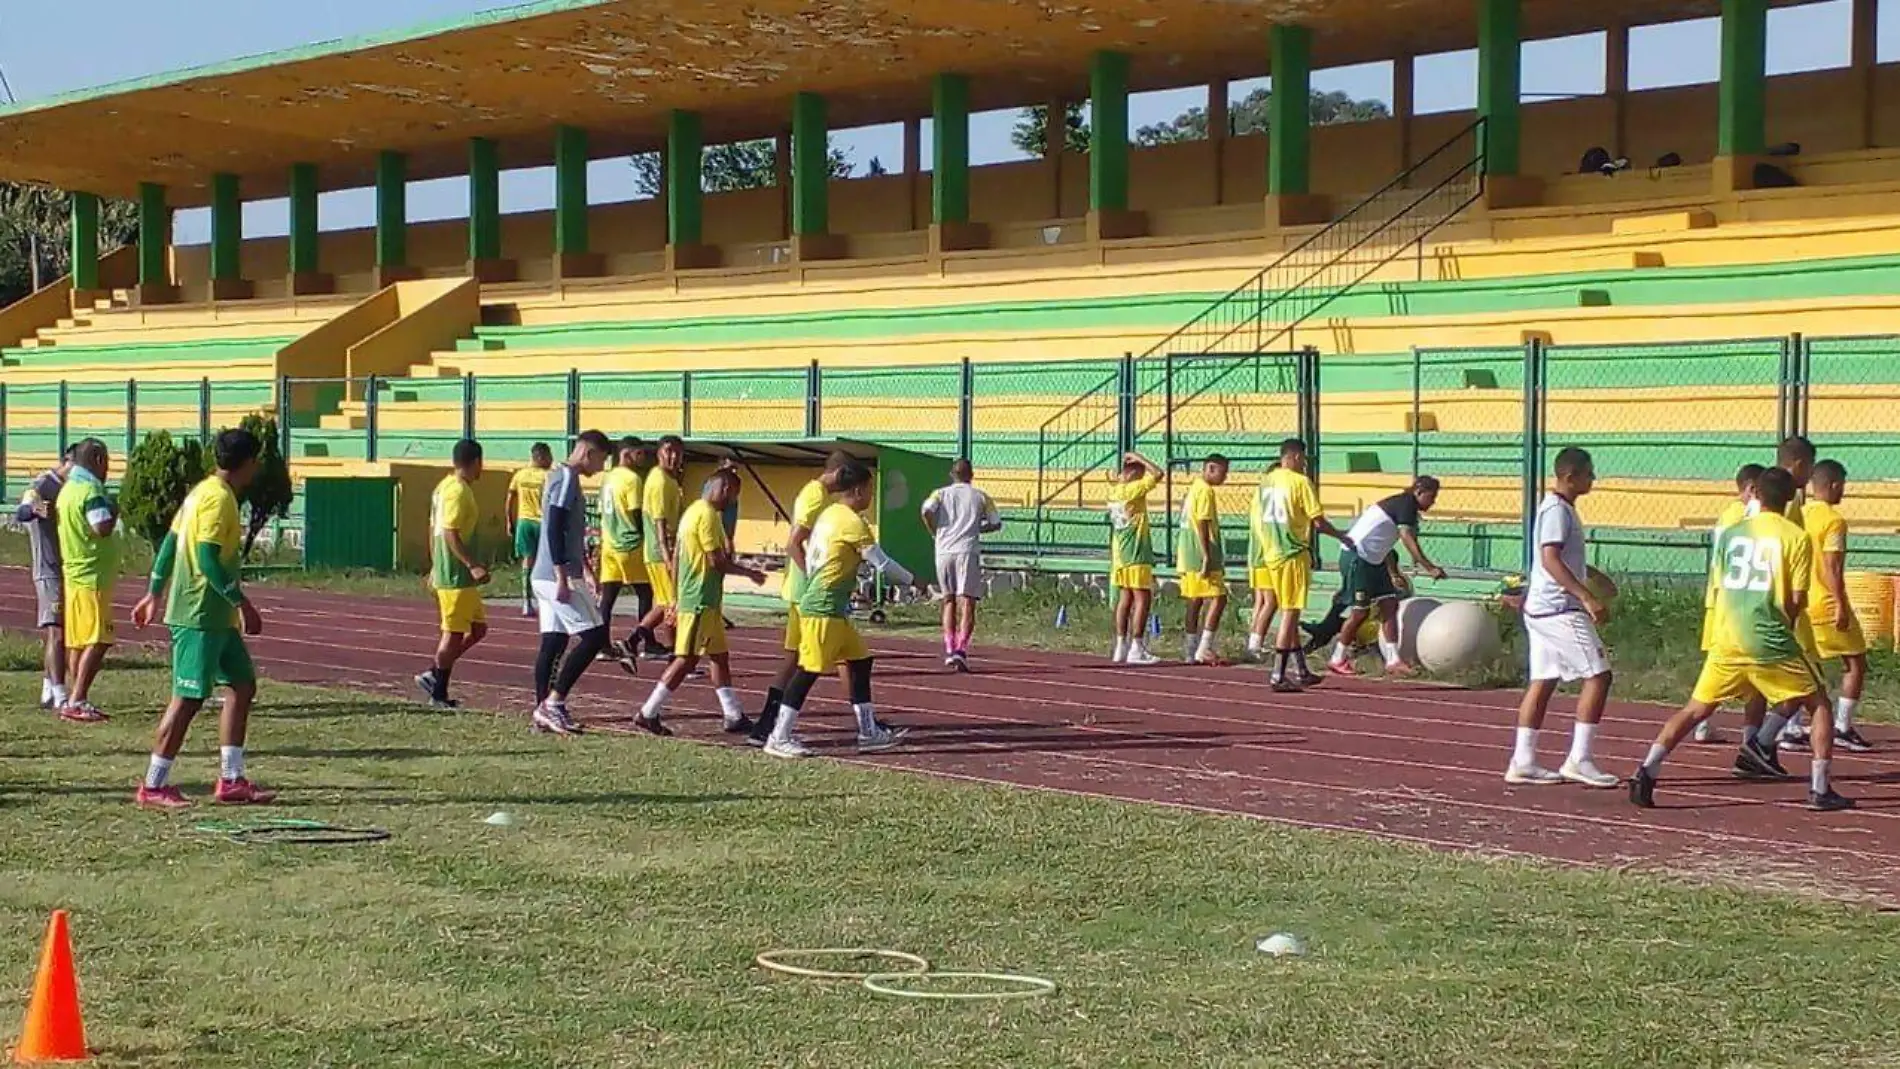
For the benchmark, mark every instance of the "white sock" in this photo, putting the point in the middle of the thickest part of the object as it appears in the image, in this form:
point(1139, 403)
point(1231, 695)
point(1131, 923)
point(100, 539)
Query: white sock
point(1340, 654)
point(60, 694)
point(1771, 726)
point(729, 706)
point(656, 701)
point(1525, 754)
point(157, 772)
point(46, 690)
point(1254, 642)
point(1206, 649)
point(1844, 709)
point(1652, 763)
point(1817, 776)
point(867, 717)
point(787, 720)
point(1187, 647)
point(1389, 650)
point(1121, 648)
point(1581, 737)
point(230, 762)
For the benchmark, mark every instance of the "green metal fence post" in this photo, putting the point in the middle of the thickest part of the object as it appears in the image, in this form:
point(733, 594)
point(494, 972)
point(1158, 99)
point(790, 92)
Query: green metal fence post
point(1800, 395)
point(814, 391)
point(468, 405)
point(63, 426)
point(131, 415)
point(1418, 371)
point(1308, 371)
point(966, 408)
point(1125, 405)
point(1533, 447)
point(686, 404)
point(204, 410)
point(369, 408)
point(573, 406)
point(6, 452)
point(283, 416)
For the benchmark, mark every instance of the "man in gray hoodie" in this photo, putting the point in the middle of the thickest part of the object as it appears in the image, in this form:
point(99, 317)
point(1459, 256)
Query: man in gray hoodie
point(36, 515)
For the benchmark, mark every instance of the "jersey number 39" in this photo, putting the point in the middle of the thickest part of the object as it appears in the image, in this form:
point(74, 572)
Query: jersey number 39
point(1751, 564)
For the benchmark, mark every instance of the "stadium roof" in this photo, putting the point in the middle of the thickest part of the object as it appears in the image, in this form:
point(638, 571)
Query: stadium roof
point(617, 68)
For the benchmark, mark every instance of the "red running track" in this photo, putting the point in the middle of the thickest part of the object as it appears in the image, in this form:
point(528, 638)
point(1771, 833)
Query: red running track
point(1415, 762)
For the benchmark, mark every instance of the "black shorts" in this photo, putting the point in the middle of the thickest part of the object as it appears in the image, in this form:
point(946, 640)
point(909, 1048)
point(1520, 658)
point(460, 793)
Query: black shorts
point(1363, 583)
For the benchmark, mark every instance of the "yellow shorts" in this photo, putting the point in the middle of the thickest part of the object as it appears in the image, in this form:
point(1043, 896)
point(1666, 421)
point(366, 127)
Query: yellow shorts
point(1196, 587)
point(1133, 577)
point(1728, 680)
point(794, 629)
point(699, 634)
point(461, 609)
point(1831, 644)
point(618, 567)
point(825, 642)
point(664, 592)
point(88, 617)
point(1288, 582)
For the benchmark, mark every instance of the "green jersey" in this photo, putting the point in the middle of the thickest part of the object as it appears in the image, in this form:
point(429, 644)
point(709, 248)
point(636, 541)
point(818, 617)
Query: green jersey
point(1199, 508)
point(209, 517)
point(702, 587)
point(87, 559)
point(620, 523)
point(451, 508)
point(837, 546)
point(1759, 565)
point(1129, 540)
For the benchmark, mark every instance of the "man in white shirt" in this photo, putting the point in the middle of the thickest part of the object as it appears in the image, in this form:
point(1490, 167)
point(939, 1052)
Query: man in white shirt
point(957, 516)
point(1365, 571)
point(1560, 617)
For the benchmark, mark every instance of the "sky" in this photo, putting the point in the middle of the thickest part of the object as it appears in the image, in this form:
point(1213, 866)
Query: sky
point(133, 38)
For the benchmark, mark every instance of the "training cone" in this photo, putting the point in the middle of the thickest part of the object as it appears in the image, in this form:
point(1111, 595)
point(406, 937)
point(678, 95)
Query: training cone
point(53, 1031)
point(1062, 616)
point(1154, 626)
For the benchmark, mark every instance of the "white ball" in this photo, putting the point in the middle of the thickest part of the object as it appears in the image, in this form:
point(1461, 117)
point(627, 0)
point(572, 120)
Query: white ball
point(1456, 636)
point(1412, 613)
point(1280, 945)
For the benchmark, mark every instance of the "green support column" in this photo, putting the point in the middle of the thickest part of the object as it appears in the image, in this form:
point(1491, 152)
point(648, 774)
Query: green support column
point(1108, 147)
point(950, 149)
point(811, 167)
point(85, 251)
point(484, 201)
point(392, 219)
point(1289, 117)
point(155, 224)
point(1500, 46)
point(685, 150)
point(303, 219)
point(1741, 124)
point(570, 191)
point(227, 228)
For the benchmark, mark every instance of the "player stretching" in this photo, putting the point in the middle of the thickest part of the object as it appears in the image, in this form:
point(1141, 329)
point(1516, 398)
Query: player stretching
point(1201, 564)
point(524, 515)
point(1285, 513)
point(49, 587)
point(811, 500)
point(565, 605)
point(196, 573)
point(89, 562)
point(1762, 590)
point(1733, 513)
point(453, 573)
point(957, 516)
point(623, 561)
point(1560, 618)
point(1131, 558)
point(660, 504)
point(840, 541)
point(705, 556)
point(1365, 570)
point(1837, 633)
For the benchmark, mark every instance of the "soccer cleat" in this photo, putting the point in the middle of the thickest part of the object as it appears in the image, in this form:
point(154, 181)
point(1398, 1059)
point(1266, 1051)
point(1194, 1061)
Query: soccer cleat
point(241, 791)
point(1286, 686)
point(740, 725)
point(1754, 761)
point(160, 798)
point(789, 748)
point(1531, 776)
point(1588, 774)
point(762, 729)
point(880, 739)
point(82, 713)
point(46, 697)
point(1706, 732)
point(652, 725)
point(1306, 677)
point(552, 719)
point(1852, 739)
point(958, 661)
point(1829, 801)
point(1342, 668)
point(656, 652)
point(427, 685)
point(1140, 657)
point(1793, 739)
point(1642, 789)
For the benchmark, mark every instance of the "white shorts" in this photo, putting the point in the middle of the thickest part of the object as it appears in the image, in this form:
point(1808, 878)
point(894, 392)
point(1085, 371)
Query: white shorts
point(577, 614)
point(1565, 647)
point(960, 575)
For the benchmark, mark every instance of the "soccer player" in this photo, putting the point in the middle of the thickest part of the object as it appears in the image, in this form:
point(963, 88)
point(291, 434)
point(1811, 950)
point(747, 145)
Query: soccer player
point(524, 515)
point(1281, 522)
point(1131, 555)
point(1733, 513)
point(49, 587)
point(1837, 633)
point(1762, 592)
point(1770, 727)
point(196, 579)
point(453, 573)
point(565, 605)
point(660, 506)
point(1201, 563)
point(1365, 573)
point(840, 541)
point(623, 559)
point(1561, 615)
point(957, 516)
point(811, 500)
point(89, 565)
point(705, 559)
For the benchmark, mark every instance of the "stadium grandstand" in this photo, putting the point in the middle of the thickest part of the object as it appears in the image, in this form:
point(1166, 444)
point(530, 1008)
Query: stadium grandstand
point(1674, 278)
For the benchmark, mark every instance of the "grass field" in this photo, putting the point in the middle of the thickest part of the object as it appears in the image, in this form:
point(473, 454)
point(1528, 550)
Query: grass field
point(615, 924)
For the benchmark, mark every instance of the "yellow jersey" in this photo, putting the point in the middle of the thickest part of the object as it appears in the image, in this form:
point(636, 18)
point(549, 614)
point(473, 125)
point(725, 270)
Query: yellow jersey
point(1827, 533)
point(1281, 518)
point(811, 500)
point(1761, 564)
point(1130, 542)
point(526, 484)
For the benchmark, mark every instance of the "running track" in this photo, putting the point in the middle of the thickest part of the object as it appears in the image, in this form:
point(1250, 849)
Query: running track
point(1410, 762)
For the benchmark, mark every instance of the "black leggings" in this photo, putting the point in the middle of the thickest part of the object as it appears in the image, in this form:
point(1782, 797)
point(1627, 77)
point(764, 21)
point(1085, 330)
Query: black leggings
point(859, 673)
point(587, 647)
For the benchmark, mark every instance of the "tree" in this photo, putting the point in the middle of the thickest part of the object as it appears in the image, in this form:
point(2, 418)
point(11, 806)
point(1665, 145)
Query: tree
point(158, 475)
point(269, 494)
point(724, 168)
point(1030, 134)
point(36, 235)
point(1247, 115)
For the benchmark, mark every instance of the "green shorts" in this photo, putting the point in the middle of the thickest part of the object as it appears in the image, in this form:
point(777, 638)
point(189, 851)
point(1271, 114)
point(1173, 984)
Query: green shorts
point(1363, 583)
point(527, 538)
point(202, 661)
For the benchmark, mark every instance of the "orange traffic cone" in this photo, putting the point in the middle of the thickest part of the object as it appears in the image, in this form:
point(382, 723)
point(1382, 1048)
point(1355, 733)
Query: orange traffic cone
point(53, 1031)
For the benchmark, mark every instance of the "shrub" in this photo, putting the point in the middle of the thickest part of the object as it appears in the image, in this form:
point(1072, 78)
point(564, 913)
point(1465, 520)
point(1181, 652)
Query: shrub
point(158, 475)
point(269, 494)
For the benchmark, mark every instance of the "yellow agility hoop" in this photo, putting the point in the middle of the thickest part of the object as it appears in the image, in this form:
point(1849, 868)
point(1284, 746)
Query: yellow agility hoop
point(771, 960)
point(1025, 986)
